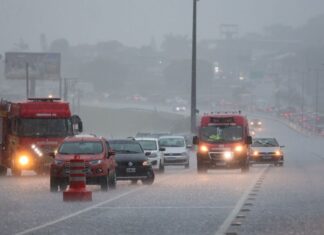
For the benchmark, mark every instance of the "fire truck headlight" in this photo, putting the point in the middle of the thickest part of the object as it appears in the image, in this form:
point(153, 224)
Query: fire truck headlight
point(228, 155)
point(203, 149)
point(238, 148)
point(23, 160)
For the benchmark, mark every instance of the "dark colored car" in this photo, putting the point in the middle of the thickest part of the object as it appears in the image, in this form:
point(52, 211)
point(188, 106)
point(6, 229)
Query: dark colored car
point(132, 163)
point(267, 150)
point(99, 162)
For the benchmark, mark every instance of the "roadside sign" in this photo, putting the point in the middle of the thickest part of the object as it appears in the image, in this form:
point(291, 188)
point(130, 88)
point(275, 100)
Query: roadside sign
point(41, 66)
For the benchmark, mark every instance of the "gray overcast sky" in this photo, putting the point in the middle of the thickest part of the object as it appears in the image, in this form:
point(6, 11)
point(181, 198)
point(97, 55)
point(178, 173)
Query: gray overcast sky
point(135, 22)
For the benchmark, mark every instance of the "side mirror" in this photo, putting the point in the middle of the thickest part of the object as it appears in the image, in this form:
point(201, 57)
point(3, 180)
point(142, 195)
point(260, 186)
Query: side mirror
point(51, 154)
point(249, 140)
point(111, 153)
point(147, 153)
point(282, 146)
point(195, 140)
point(76, 124)
point(162, 149)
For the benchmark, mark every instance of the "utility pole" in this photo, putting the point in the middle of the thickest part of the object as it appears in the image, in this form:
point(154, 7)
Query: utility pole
point(27, 80)
point(193, 69)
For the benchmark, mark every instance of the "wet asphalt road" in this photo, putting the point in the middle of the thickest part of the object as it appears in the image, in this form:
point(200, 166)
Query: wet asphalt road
point(267, 200)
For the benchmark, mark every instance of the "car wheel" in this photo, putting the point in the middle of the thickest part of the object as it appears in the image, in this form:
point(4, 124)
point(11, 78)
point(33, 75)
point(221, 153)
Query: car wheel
point(112, 180)
point(150, 178)
point(281, 164)
point(104, 183)
point(63, 186)
point(53, 184)
point(3, 171)
point(161, 168)
point(201, 168)
point(187, 165)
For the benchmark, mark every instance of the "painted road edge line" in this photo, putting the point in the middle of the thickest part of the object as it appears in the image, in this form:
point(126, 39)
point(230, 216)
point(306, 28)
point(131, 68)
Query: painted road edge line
point(227, 223)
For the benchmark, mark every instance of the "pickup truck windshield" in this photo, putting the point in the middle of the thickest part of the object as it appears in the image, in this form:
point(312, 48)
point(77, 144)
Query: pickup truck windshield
point(221, 133)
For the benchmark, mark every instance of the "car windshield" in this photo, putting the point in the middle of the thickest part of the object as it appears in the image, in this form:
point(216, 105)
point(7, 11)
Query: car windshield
point(221, 133)
point(81, 147)
point(44, 127)
point(148, 144)
point(126, 147)
point(265, 142)
point(172, 142)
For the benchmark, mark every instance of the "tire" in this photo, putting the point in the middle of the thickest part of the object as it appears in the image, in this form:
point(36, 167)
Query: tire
point(281, 164)
point(63, 186)
point(201, 168)
point(3, 171)
point(187, 166)
point(150, 178)
point(104, 183)
point(53, 184)
point(112, 181)
point(161, 168)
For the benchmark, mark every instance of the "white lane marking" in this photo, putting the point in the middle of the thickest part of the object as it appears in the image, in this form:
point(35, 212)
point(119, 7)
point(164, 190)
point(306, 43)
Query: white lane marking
point(226, 224)
point(93, 206)
point(164, 207)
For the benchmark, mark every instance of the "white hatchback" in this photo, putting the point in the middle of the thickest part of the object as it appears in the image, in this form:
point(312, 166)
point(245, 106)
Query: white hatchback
point(175, 150)
point(156, 156)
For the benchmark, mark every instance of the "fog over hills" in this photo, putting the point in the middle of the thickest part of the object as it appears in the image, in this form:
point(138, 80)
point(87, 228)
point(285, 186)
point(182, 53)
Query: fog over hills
point(136, 22)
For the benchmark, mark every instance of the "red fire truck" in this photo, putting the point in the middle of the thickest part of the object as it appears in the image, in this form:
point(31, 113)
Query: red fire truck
point(30, 130)
point(223, 142)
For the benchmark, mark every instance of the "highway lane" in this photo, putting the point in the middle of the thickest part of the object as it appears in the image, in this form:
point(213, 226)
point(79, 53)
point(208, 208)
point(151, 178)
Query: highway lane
point(290, 199)
point(179, 202)
point(274, 200)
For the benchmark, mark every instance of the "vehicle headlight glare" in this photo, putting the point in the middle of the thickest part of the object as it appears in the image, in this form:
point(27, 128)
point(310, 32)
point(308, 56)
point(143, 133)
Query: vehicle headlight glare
point(228, 155)
point(278, 153)
point(203, 149)
point(23, 160)
point(238, 148)
point(255, 153)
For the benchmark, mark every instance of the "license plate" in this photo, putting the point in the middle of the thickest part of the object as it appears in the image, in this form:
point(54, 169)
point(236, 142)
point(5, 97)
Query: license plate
point(267, 157)
point(130, 170)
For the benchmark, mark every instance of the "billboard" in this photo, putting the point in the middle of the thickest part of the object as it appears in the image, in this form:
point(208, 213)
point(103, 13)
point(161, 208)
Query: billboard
point(41, 66)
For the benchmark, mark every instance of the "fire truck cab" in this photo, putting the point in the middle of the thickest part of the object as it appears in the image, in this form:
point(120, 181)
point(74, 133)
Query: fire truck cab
point(30, 130)
point(223, 142)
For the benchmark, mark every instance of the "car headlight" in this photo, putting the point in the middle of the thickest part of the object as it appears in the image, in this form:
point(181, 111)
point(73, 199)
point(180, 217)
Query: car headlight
point(259, 123)
point(238, 148)
point(95, 162)
point(228, 155)
point(146, 163)
point(23, 160)
point(278, 153)
point(252, 123)
point(58, 162)
point(255, 153)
